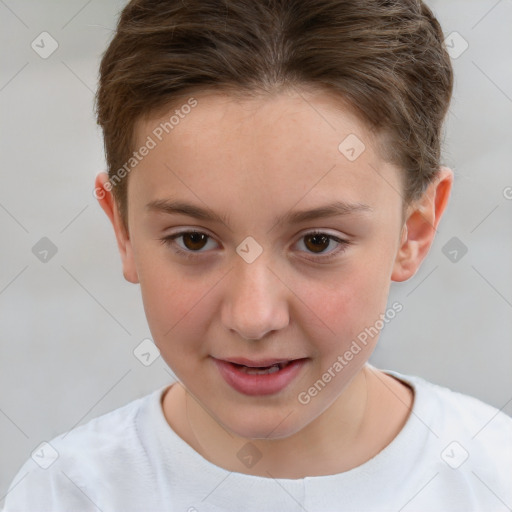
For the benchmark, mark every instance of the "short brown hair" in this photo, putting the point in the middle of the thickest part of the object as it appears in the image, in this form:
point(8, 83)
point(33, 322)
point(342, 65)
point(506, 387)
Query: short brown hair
point(385, 57)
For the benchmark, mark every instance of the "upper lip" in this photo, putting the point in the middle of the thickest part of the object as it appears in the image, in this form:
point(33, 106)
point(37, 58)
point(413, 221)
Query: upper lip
point(260, 362)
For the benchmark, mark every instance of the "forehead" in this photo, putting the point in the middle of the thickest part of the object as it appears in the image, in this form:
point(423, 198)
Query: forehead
point(273, 150)
point(288, 116)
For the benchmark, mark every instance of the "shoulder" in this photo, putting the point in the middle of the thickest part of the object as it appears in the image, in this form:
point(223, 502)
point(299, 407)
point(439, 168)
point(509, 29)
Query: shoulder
point(109, 435)
point(74, 467)
point(449, 414)
point(467, 439)
point(453, 409)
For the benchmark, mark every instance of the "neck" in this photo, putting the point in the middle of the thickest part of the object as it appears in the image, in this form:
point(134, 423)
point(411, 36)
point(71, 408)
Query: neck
point(353, 429)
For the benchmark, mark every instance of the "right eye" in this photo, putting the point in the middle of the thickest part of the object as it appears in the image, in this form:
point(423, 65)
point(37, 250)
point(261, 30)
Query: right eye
point(193, 241)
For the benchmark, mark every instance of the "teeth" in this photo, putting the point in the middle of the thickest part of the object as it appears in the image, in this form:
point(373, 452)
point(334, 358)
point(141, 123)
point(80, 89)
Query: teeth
point(260, 371)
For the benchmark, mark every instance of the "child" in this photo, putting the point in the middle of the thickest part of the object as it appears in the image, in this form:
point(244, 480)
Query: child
point(273, 166)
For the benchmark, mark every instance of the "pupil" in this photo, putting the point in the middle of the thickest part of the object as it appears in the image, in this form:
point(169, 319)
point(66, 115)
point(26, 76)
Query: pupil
point(319, 239)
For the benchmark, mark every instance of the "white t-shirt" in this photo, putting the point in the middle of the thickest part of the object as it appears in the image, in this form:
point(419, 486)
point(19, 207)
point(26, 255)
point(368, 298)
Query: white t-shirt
point(453, 454)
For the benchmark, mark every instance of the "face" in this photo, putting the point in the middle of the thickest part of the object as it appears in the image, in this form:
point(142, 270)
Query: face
point(259, 281)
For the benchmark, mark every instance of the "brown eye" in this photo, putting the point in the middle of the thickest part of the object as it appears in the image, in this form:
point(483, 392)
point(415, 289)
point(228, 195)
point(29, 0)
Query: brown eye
point(191, 244)
point(194, 241)
point(325, 246)
point(317, 242)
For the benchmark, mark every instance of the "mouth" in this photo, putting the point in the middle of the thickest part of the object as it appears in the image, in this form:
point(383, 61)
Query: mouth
point(262, 377)
point(261, 366)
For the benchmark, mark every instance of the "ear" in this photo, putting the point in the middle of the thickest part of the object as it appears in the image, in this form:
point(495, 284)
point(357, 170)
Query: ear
point(420, 226)
point(103, 194)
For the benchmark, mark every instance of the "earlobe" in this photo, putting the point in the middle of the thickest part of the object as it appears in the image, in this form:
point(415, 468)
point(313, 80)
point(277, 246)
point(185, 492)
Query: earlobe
point(420, 227)
point(102, 192)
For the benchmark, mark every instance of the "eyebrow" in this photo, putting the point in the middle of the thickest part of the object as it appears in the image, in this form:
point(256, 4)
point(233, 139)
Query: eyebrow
point(337, 208)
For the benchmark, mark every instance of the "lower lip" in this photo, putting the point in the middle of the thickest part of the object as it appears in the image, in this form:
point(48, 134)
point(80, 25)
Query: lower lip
point(263, 384)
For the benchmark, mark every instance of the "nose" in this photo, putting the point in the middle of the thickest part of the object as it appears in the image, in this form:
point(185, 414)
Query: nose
point(255, 301)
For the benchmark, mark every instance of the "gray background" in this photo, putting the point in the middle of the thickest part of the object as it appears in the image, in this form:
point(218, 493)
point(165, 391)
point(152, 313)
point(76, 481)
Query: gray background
point(69, 326)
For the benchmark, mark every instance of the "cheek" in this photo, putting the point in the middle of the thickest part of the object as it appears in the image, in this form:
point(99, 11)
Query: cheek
point(174, 311)
point(340, 310)
point(176, 307)
point(178, 321)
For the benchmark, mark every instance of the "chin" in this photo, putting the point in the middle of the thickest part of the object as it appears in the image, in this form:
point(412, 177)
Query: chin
point(262, 426)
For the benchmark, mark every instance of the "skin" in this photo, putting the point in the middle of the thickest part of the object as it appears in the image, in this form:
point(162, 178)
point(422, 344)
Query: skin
point(252, 160)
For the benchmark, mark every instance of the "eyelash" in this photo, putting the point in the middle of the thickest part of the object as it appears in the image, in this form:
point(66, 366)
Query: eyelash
point(190, 255)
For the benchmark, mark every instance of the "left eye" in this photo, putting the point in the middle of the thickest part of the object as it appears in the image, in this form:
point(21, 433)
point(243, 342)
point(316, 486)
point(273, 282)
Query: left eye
point(316, 242)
